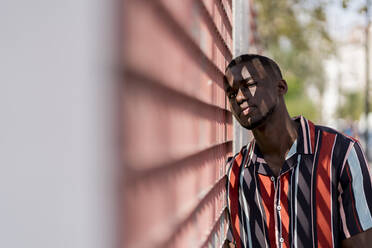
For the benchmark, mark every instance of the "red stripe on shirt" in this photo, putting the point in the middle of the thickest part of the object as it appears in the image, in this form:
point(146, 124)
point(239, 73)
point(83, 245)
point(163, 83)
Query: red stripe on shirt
point(284, 213)
point(323, 191)
point(267, 191)
point(234, 198)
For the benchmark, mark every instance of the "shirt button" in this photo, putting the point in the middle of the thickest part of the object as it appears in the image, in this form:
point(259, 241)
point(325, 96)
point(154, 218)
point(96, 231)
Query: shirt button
point(281, 240)
point(278, 208)
point(272, 179)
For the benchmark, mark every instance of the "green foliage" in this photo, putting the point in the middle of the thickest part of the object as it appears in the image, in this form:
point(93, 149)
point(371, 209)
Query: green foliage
point(294, 33)
point(296, 95)
point(345, 3)
point(295, 87)
point(352, 107)
point(306, 108)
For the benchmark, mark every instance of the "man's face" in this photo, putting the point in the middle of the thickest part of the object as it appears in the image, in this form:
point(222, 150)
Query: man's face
point(251, 91)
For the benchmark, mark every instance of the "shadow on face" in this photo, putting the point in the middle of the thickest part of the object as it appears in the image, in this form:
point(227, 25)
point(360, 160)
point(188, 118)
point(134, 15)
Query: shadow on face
point(250, 88)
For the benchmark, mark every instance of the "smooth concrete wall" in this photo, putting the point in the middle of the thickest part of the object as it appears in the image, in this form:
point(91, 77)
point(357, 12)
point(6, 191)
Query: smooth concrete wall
point(56, 134)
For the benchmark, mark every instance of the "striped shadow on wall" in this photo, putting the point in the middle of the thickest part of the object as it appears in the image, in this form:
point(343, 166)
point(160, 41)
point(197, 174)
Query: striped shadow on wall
point(175, 124)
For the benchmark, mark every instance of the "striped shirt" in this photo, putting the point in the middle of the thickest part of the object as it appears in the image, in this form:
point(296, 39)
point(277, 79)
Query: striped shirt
point(322, 195)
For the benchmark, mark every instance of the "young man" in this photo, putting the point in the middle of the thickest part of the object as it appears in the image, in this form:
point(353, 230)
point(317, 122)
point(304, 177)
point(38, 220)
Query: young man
point(295, 184)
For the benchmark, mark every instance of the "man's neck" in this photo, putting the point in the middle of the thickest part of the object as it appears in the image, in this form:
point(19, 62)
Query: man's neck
point(276, 136)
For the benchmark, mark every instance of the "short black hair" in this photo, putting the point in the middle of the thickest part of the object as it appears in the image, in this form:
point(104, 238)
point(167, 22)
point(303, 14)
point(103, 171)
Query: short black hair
point(266, 62)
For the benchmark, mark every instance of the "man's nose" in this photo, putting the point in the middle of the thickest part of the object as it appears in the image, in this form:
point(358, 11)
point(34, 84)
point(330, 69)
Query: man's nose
point(240, 97)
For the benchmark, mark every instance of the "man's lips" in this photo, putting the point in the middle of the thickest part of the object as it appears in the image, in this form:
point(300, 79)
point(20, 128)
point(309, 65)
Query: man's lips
point(248, 110)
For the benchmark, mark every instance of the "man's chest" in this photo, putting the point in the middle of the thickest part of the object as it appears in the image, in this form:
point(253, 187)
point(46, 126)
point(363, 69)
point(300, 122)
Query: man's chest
point(289, 207)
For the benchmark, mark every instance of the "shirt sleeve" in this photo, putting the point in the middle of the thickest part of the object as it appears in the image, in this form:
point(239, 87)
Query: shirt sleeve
point(355, 193)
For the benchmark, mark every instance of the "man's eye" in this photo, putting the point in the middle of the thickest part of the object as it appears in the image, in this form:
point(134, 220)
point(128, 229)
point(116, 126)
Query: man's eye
point(250, 84)
point(231, 95)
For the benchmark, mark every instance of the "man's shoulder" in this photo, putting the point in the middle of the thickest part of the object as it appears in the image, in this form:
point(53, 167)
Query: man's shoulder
point(341, 137)
point(230, 160)
point(239, 156)
point(316, 128)
point(336, 143)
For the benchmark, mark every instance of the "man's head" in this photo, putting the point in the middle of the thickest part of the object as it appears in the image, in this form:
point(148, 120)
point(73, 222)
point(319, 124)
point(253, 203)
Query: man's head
point(255, 88)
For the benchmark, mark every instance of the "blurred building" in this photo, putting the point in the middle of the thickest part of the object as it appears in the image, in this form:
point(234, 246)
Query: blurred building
point(347, 73)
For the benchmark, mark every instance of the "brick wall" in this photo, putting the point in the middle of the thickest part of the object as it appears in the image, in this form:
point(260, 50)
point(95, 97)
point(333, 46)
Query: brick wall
point(176, 127)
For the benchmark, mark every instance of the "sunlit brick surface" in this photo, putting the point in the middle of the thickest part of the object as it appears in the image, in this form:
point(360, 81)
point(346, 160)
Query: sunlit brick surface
point(176, 127)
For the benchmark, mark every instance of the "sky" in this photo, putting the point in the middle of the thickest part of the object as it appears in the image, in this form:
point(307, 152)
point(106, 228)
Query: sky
point(341, 21)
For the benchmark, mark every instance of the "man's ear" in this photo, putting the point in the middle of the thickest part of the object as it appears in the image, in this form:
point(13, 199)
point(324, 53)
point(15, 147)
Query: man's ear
point(282, 87)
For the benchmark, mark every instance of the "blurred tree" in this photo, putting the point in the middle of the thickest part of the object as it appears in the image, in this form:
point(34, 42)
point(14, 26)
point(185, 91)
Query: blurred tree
point(352, 106)
point(294, 33)
point(297, 101)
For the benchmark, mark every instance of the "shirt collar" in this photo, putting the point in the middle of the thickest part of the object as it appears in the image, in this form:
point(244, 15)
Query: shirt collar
point(302, 145)
point(306, 136)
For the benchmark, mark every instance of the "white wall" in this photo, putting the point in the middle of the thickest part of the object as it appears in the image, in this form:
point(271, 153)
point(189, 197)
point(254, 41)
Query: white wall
point(241, 36)
point(56, 96)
